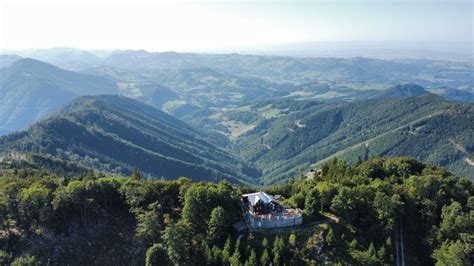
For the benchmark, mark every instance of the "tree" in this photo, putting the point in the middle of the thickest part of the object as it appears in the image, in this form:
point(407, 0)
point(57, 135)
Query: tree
point(453, 222)
point(235, 259)
point(451, 253)
point(265, 258)
point(470, 202)
point(156, 255)
point(382, 253)
point(201, 199)
point(265, 242)
point(217, 225)
point(207, 252)
point(387, 208)
point(311, 203)
point(35, 204)
point(252, 260)
point(27, 260)
point(149, 223)
point(456, 236)
point(330, 238)
point(227, 249)
point(78, 193)
point(367, 257)
point(136, 174)
point(179, 242)
point(5, 257)
point(312, 246)
point(217, 258)
point(292, 240)
point(278, 250)
point(326, 192)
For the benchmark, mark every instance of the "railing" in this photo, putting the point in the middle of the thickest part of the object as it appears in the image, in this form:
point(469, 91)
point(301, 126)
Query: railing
point(295, 213)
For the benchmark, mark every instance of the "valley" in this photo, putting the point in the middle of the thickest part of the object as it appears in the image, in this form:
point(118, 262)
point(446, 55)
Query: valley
point(266, 118)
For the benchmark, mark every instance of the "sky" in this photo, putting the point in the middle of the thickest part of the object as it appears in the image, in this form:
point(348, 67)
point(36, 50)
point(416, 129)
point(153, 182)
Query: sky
point(227, 25)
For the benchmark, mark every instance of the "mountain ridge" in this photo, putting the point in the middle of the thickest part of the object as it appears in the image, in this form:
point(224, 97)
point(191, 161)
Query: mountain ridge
point(31, 89)
point(119, 134)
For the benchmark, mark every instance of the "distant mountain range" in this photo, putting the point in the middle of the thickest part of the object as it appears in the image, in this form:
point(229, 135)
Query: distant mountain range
point(427, 73)
point(63, 57)
point(7, 60)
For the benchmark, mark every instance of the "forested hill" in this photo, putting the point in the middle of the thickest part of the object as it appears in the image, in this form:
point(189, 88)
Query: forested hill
point(381, 205)
point(427, 127)
point(30, 89)
point(117, 134)
point(401, 91)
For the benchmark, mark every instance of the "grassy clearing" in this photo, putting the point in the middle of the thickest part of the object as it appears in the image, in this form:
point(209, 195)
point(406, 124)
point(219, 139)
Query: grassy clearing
point(268, 111)
point(237, 128)
point(130, 89)
point(329, 95)
point(365, 86)
point(171, 105)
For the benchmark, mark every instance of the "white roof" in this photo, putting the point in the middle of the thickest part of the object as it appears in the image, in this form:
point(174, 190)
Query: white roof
point(255, 197)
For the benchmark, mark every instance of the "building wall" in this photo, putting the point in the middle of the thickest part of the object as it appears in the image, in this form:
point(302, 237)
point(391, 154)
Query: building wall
point(267, 223)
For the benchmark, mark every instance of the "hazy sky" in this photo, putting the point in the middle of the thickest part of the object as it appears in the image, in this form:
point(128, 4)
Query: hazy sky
point(194, 25)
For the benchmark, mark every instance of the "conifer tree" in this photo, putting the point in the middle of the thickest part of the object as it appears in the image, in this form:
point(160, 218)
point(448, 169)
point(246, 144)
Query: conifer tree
point(226, 252)
point(252, 260)
point(265, 258)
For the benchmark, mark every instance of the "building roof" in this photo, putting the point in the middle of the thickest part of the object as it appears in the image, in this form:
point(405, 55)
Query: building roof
point(255, 197)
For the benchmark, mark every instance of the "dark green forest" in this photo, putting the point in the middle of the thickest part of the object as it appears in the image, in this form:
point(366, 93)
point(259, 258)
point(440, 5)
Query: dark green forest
point(116, 134)
point(426, 127)
point(99, 219)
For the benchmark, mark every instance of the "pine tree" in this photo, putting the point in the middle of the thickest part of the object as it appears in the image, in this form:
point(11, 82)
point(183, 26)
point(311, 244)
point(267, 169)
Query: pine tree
point(292, 240)
point(382, 253)
point(227, 249)
point(372, 253)
point(207, 253)
point(265, 242)
point(136, 174)
point(265, 258)
point(252, 260)
point(216, 256)
point(278, 246)
point(237, 246)
point(330, 238)
point(371, 250)
point(235, 259)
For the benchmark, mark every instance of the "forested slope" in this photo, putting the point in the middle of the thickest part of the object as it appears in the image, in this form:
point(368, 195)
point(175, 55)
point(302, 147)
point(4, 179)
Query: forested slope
point(424, 127)
point(117, 134)
point(98, 219)
point(31, 89)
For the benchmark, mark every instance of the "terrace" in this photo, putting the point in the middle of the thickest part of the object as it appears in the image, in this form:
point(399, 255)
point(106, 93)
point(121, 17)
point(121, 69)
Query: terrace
point(262, 211)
